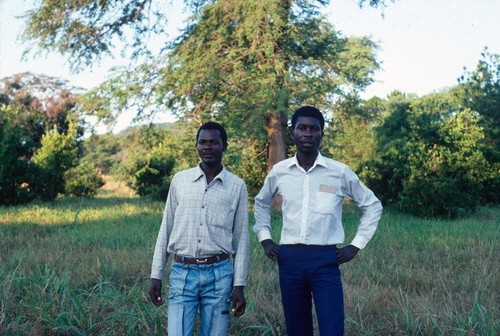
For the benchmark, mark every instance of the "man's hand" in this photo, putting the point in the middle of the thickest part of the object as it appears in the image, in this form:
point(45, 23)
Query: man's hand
point(271, 249)
point(155, 292)
point(346, 253)
point(239, 302)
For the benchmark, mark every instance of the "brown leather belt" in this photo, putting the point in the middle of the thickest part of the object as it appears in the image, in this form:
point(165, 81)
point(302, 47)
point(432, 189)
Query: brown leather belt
point(201, 261)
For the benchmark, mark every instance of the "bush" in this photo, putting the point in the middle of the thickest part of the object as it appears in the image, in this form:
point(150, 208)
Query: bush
point(430, 162)
point(83, 180)
point(17, 173)
point(57, 154)
point(152, 177)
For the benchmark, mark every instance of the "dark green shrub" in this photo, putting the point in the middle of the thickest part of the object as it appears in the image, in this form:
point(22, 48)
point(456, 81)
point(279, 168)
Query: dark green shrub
point(152, 177)
point(17, 173)
point(57, 154)
point(83, 180)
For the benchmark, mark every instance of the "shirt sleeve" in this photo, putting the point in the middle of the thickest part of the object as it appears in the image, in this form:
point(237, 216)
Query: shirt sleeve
point(241, 242)
point(262, 207)
point(366, 200)
point(160, 255)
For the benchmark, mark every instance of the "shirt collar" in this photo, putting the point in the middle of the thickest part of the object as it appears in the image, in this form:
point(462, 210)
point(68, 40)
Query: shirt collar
point(320, 160)
point(199, 173)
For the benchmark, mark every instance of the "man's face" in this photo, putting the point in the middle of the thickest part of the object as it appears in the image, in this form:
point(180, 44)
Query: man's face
point(307, 134)
point(210, 147)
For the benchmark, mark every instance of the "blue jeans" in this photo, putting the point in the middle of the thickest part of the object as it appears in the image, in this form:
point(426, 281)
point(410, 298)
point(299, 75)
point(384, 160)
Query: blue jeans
point(204, 287)
point(310, 272)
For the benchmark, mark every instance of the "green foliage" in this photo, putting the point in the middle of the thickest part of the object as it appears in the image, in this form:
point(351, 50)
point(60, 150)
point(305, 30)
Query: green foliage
point(39, 104)
point(152, 176)
point(479, 90)
point(39, 132)
point(230, 63)
point(429, 161)
point(83, 180)
point(85, 30)
point(387, 170)
point(247, 159)
point(101, 151)
point(17, 173)
point(148, 161)
point(57, 154)
point(350, 137)
point(446, 180)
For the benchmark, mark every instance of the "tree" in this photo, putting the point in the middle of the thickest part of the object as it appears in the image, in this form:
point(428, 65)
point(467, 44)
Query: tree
point(101, 151)
point(350, 136)
point(40, 103)
point(387, 170)
point(37, 113)
point(149, 160)
point(57, 154)
point(82, 180)
point(429, 160)
point(479, 90)
point(17, 173)
point(238, 61)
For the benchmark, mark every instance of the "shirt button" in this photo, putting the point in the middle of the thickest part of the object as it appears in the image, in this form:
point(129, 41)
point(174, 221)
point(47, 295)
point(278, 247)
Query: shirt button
point(203, 207)
point(199, 241)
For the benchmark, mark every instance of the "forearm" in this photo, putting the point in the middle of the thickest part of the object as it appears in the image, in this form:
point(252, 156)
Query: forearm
point(160, 255)
point(368, 225)
point(241, 240)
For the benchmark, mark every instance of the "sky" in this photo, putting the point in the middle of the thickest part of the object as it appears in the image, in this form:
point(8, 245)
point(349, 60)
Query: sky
point(424, 45)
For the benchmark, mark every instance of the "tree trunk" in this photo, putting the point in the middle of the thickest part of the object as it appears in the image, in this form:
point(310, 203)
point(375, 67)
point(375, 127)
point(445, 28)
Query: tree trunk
point(276, 132)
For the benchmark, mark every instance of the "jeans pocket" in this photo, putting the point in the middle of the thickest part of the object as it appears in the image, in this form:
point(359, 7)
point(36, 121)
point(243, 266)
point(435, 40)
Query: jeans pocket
point(223, 272)
point(177, 281)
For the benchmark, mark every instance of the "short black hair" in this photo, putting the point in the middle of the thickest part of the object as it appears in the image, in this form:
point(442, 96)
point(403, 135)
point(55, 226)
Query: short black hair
point(308, 111)
point(212, 125)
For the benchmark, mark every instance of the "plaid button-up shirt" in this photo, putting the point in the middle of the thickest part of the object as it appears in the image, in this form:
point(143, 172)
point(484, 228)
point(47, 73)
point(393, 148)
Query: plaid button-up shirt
point(203, 220)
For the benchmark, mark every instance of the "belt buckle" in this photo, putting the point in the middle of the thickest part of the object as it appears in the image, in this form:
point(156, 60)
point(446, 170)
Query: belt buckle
point(201, 261)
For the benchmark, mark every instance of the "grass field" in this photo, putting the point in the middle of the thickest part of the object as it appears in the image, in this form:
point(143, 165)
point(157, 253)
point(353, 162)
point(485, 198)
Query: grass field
point(81, 267)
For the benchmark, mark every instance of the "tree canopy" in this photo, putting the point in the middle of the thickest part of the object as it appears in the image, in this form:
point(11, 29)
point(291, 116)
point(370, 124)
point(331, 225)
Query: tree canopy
point(41, 130)
point(236, 61)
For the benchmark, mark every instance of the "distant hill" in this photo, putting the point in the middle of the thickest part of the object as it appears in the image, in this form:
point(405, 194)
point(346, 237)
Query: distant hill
point(165, 125)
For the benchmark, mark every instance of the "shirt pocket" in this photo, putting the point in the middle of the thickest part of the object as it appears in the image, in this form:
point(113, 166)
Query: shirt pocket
point(325, 202)
point(222, 219)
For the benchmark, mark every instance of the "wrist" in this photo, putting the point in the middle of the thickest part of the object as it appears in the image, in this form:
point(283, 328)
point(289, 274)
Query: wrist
point(266, 242)
point(238, 289)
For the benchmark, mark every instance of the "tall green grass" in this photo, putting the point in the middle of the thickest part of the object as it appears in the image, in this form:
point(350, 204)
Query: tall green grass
point(81, 267)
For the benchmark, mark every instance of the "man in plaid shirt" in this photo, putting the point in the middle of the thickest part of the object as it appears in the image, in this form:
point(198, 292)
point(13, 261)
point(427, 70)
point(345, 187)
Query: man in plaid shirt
point(205, 229)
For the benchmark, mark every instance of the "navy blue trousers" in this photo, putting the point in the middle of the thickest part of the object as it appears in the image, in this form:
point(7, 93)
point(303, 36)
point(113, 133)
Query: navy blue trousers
point(307, 273)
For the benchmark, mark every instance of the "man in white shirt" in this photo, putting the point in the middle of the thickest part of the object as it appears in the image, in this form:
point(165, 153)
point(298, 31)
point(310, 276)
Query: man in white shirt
point(205, 228)
point(312, 188)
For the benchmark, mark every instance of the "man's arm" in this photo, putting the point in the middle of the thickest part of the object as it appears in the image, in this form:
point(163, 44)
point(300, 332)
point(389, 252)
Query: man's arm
point(239, 302)
point(155, 292)
point(271, 249)
point(241, 245)
point(160, 255)
point(346, 254)
point(371, 206)
point(241, 241)
point(262, 209)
